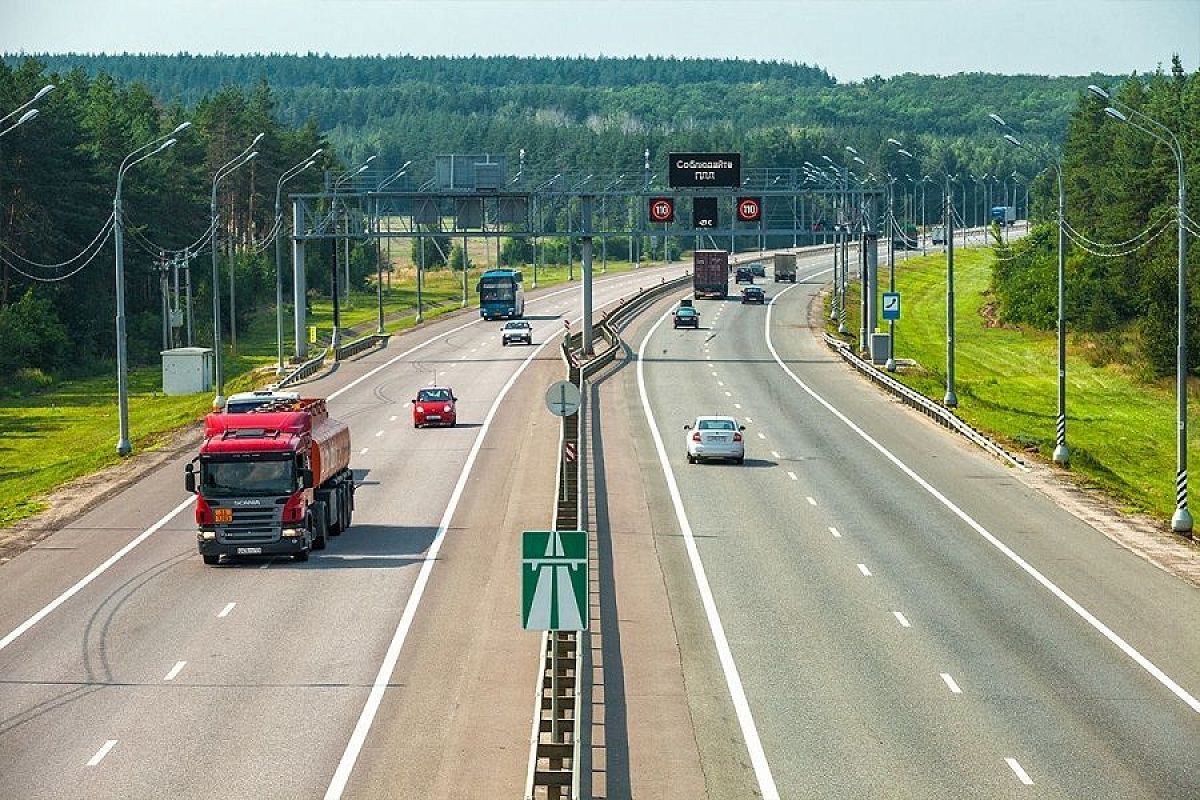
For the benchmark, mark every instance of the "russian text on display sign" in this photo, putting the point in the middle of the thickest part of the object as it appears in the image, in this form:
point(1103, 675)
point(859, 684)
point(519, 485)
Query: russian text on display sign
point(749, 209)
point(705, 170)
point(704, 212)
point(662, 209)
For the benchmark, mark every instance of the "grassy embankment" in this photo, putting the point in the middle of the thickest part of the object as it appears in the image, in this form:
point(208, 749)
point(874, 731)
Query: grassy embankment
point(69, 430)
point(1120, 430)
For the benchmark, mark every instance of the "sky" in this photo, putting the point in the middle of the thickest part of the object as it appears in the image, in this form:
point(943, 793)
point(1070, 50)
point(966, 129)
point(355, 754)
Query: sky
point(851, 39)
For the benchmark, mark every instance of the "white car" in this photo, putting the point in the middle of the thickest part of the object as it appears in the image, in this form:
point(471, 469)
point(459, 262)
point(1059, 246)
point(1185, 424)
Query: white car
point(715, 437)
point(517, 330)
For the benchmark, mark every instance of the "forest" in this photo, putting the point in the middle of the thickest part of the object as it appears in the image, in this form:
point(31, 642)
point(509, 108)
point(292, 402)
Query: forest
point(58, 172)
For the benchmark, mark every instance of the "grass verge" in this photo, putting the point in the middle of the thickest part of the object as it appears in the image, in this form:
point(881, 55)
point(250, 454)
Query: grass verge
point(1120, 431)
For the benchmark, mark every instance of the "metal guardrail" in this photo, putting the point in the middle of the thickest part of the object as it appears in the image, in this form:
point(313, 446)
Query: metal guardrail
point(359, 345)
point(930, 408)
point(303, 371)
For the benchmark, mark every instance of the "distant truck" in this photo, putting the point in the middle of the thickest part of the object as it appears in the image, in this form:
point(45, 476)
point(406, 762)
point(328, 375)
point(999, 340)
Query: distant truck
point(274, 480)
point(710, 273)
point(785, 267)
point(1005, 215)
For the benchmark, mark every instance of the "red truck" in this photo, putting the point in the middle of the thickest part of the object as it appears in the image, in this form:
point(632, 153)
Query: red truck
point(272, 481)
point(710, 273)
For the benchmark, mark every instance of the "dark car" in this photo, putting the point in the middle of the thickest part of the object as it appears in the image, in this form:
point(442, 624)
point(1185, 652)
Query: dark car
point(518, 330)
point(758, 270)
point(754, 294)
point(685, 317)
point(743, 275)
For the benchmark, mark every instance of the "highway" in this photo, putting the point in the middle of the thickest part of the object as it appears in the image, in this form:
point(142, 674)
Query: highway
point(889, 611)
point(391, 664)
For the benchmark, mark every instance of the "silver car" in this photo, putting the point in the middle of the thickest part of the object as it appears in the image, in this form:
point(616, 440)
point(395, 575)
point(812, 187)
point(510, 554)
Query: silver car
point(715, 437)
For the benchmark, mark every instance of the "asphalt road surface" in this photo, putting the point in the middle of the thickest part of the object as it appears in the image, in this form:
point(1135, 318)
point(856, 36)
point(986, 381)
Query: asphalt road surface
point(889, 611)
point(391, 664)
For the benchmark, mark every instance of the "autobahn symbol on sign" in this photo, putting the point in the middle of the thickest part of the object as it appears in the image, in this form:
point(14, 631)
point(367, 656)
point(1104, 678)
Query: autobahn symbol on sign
point(563, 398)
point(662, 209)
point(554, 580)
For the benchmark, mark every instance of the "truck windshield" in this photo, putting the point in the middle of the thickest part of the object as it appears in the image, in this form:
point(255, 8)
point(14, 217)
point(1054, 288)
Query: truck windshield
point(234, 478)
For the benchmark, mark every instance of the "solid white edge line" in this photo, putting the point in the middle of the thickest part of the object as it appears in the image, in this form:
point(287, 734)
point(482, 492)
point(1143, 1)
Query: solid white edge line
point(175, 670)
point(811, 501)
point(225, 611)
point(91, 576)
point(1025, 566)
point(863, 569)
point(758, 758)
point(835, 533)
point(792, 475)
point(1021, 774)
point(903, 620)
point(950, 684)
point(102, 752)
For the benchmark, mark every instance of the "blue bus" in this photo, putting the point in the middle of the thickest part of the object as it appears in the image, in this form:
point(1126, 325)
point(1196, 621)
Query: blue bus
point(501, 294)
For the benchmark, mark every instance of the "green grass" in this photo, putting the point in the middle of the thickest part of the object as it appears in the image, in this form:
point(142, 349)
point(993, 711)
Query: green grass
point(69, 430)
point(1120, 431)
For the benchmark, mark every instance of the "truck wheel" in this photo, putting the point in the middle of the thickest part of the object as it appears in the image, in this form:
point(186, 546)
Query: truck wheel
point(301, 556)
point(320, 525)
point(210, 560)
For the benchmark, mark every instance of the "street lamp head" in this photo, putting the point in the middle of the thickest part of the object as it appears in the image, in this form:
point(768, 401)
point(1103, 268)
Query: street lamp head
point(168, 143)
point(405, 164)
point(253, 155)
point(310, 163)
point(996, 119)
point(183, 126)
point(42, 92)
point(850, 149)
point(28, 115)
point(257, 139)
point(904, 152)
point(1096, 90)
point(827, 158)
point(317, 152)
point(1008, 137)
point(860, 161)
point(1115, 114)
point(369, 160)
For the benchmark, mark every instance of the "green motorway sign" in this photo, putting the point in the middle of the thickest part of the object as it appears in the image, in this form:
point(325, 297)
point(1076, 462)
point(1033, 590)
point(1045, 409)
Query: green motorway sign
point(554, 580)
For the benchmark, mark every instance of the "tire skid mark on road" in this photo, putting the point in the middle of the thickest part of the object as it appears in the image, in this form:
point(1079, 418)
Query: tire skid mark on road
point(1030, 570)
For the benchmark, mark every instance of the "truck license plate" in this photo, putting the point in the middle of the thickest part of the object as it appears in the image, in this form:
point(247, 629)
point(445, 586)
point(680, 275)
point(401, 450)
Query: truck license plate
point(249, 551)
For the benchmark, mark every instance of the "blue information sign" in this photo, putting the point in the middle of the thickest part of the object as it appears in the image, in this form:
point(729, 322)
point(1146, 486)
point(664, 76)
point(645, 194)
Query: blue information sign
point(891, 306)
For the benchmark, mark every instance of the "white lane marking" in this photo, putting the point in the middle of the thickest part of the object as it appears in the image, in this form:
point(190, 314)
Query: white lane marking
point(708, 358)
point(721, 383)
point(863, 569)
point(462, 358)
point(792, 475)
point(903, 620)
point(761, 435)
point(811, 501)
point(774, 454)
point(738, 406)
point(714, 373)
point(363, 452)
point(950, 684)
point(749, 420)
point(378, 433)
point(729, 394)
point(741, 706)
point(175, 670)
point(383, 677)
point(102, 752)
point(225, 611)
point(393, 418)
point(91, 576)
point(1021, 774)
point(835, 533)
point(987, 535)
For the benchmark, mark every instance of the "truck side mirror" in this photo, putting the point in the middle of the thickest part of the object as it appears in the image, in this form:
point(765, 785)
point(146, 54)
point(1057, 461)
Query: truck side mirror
point(741, 427)
point(306, 478)
point(189, 478)
point(687, 427)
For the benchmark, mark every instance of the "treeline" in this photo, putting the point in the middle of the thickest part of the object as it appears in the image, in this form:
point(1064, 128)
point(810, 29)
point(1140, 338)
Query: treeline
point(58, 177)
point(601, 113)
point(1121, 201)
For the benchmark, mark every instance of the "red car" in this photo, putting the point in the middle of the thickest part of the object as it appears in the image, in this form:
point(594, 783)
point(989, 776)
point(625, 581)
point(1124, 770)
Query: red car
point(434, 406)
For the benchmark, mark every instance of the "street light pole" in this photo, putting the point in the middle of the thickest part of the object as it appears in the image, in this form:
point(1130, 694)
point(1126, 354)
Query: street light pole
point(1062, 454)
point(225, 170)
point(1181, 520)
point(950, 400)
point(285, 177)
point(124, 445)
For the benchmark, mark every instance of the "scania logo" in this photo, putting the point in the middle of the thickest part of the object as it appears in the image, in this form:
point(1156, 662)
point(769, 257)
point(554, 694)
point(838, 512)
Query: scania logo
point(247, 502)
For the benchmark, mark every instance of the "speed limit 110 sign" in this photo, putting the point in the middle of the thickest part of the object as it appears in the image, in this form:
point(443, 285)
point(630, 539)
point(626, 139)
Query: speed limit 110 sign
point(749, 209)
point(662, 209)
